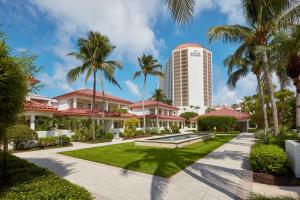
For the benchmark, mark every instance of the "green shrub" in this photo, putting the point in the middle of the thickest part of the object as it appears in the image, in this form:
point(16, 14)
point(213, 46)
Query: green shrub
point(251, 130)
point(166, 131)
point(130, 127)
point(153, 131)
point(51, 141)
point(30, 182)
point(22, 136)
point(222, 123)
point(48, 141)
point(228, 132)
point(64, 140)
point(276, 140)
point(105, 137)
point(174, 128)
point(267, 158)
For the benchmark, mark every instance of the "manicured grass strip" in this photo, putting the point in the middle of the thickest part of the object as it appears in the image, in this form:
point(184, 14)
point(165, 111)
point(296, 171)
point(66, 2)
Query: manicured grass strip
point(30, 182)
point(157, 161)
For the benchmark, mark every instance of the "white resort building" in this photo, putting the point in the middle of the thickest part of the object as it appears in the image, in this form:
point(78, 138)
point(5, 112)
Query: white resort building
point(188, 78)
point(77, 104)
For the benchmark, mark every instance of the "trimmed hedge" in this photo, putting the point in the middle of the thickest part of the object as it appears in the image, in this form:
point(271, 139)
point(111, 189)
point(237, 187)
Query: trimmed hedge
point(30, 182)
point(51, 141)
point(222, 123)
point(267, 159)
point(22, 136)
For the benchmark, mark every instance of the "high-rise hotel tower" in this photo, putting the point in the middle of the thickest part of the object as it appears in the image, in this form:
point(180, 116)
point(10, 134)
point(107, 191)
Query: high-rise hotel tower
point(188, 78)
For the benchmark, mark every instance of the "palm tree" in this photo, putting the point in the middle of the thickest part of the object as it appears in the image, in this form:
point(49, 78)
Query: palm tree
point(263, 17)
point(148, 66)
point(159, 96)
point(240, 64)
point(181, 10)
point(286, 45)
point(106, 67)
point(87, 54)
point(93, 53)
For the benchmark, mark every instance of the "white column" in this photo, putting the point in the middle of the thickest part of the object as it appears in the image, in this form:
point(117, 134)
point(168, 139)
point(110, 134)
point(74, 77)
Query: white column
point(196, 126)
point(32, 122)
point(106, 106)
point(98, 121)
point(74, 102)
point(112, 124)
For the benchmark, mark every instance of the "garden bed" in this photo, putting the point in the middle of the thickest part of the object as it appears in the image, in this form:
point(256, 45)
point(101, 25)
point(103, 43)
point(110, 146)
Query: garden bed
point(28, 181)
point(287, 179)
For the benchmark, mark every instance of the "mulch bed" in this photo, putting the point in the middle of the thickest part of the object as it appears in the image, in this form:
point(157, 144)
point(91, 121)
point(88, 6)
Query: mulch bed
point(287, 179)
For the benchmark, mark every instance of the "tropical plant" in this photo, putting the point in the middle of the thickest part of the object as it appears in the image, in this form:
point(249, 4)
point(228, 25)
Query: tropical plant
point(264, 18)
point(13, 89)
point(21, 136)
point(286, 46)
point(239, 65)
point(93, 53)
point(181, 10)
point(159, 96)
point(148, 66)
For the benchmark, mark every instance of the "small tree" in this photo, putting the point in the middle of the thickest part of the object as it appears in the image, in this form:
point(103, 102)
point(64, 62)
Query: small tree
point(13, 89)
point(188, 116)
point(130, 126)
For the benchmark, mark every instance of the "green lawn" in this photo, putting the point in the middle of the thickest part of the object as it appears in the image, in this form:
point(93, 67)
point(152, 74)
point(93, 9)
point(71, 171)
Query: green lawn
point(30, 182)
point(158, 161)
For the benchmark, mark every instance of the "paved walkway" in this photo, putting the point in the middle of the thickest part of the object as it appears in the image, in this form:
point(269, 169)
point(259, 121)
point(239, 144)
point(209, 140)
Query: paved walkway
point(223, 174)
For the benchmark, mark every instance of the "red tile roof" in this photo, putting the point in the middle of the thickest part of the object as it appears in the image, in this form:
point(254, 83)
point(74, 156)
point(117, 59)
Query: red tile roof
point(88, 113)
point(89, 93)
point(226, 112)
point(166, 117)
point(150, 103)
point(36, 106)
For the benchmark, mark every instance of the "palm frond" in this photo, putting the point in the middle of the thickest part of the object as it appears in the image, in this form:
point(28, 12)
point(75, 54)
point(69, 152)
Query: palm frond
point(181, 10)
point(137, 74)
point(74, 73)
point(235, 76)
point(230, 33)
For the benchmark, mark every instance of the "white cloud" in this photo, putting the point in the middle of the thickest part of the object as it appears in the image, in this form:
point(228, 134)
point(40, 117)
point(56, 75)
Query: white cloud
point(245, 87)
point(230, 8)
point(21, 49)
point(133, 88)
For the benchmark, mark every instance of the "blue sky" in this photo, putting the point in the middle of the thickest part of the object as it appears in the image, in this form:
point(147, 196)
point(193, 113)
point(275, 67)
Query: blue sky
point(50, 28)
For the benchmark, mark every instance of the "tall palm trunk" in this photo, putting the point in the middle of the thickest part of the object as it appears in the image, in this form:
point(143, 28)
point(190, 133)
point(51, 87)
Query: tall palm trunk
point(157, 122)
point(297, 85)
point(93, 106)
point(263, 106)
point(271, 92)
point(103, 97)
point(143, 105)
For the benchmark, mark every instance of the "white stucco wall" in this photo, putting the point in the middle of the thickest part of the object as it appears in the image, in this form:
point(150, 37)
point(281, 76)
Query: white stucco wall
point(195, 73)
point(62, 104)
